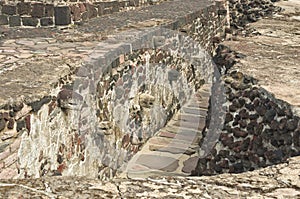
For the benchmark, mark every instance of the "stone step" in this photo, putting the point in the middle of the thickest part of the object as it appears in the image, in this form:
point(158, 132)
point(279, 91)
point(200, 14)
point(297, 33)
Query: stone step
point(188, 117)
point(194, 111)
point(190, 164)
point(172, 149)
point(179, 130)
point(191, 137)
point(203, 94)
point(168, 142)
point(199, 126)
point(197, 104)
point(162, 163)
point(139, 171)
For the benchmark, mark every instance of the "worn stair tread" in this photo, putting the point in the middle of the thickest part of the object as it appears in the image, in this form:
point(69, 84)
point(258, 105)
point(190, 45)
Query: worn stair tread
point(190, 164)
point(163, 163)
point(185, 137)
point(189, 125)
point(173, 142)
point(172, 149)
point(180, 130)
point(194, 111)
point(188, 117)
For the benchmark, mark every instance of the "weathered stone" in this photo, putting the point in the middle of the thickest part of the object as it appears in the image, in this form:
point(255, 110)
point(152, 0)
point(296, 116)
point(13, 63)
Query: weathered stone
point(38, 10)
point(49, 10)
point(10, 124)
point(20, 125)
point(3, 20)
point(24, 8)
point(269, 115)
point(190, 164)
point(29, 21)
point(38, 104)
point(48, 21)
point(292, 124)
point(146, 100)
point(173, 75)
point(2, 124)
point(174, 149)
point(158, 162)
point(14, 21)
point(62, 15)
point(239, 133)
point(9, 9)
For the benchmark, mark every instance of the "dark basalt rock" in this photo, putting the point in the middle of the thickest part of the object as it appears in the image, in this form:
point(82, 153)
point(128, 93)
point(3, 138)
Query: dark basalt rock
point(2, 124)
point(38, 104)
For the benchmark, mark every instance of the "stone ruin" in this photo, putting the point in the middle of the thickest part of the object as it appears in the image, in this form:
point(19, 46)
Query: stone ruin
point(81, 127)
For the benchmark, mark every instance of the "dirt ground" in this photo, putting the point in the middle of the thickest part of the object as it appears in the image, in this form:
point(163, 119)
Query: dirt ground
point(273, 55)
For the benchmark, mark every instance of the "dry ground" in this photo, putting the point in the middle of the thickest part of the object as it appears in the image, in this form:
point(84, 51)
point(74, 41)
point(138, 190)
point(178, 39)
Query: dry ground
point(273, 57)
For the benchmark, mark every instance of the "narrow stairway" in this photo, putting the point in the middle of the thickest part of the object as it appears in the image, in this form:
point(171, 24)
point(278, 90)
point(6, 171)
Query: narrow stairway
point(173, 149)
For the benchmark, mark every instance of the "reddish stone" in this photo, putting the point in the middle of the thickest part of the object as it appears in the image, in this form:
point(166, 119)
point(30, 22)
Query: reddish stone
point(167, 134)
point(51, 106)
point(82, 7)
point(10, 124)
point(27, 123)
point(75, 12)
point(125, 141)
point(91, 11)
point(61, 167)
point(239, 133)
point(5, 116)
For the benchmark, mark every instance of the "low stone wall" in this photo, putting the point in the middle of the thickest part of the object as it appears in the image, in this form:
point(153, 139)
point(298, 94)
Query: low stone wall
point(57, 13)
point(93, 122)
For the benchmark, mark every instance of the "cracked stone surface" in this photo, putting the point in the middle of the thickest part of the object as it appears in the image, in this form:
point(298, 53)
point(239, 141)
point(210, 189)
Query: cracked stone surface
point(280, 181)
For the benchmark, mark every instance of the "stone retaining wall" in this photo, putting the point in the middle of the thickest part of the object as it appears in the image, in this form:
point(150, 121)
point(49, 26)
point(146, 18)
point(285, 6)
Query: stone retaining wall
point(60, 13)
point(247, 128)
point(98, 118)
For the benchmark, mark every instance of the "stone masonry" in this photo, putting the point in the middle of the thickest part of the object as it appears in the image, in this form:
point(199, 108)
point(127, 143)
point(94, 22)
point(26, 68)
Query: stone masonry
point(61, 13)
point(68, 122)
point(143, 111)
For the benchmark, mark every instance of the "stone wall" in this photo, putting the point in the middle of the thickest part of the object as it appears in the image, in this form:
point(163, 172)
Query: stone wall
point(247, 127)
point(57, 13)
point(93, 122)
point(243, 12)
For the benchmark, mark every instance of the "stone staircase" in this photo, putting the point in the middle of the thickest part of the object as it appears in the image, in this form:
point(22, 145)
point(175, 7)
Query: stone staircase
point(172, 151)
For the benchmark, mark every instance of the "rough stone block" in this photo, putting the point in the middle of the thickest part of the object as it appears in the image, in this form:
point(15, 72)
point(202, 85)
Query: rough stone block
point(30, 21)
point(75, 11)
point(100, 9)
point(115, 6)
point(38, 10)
point(24, 8)
point(9, 9)
point(49, 10)
point(14, 21)
point(3, 20)
point(62, 15)
point(91, 11)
